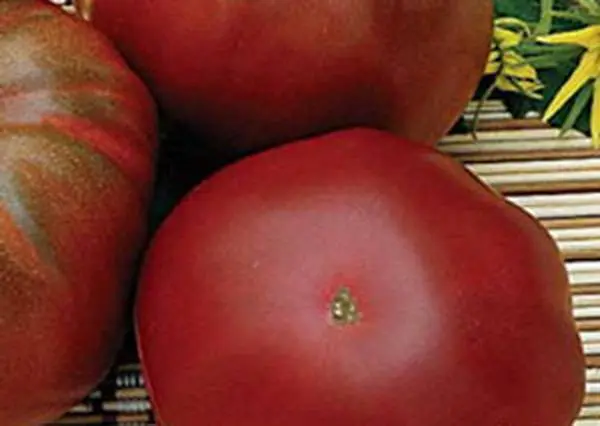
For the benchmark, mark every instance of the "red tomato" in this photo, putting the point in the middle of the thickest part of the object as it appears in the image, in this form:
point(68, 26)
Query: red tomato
point(356, 279)
point(252, 73)
point(78, 132)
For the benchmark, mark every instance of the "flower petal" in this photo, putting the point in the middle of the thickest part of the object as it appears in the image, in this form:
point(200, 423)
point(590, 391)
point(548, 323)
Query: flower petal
point(492, 68)
point(494, 56)
point(586, 70)
point(507, 38)
point(595, 115)
point(493, 63)
point(525, 87)
point(588, 37)
point(503, 83)
point(516, 66)
point(522, 71)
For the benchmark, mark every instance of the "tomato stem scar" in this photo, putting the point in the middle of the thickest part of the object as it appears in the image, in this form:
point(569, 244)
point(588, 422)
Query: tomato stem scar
point(343, 308)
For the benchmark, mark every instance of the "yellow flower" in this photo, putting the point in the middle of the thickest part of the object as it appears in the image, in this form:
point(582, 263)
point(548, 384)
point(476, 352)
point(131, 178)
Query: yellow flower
point(506, 38)
point(513, 73)
point(588, 69)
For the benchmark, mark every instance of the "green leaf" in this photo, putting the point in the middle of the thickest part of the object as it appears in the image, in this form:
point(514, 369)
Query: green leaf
point(576, 16)
point(527, 10)
point(591, 7)
point(581, 102)
point(531, 11)
point(533, 48)
point(552, 60)
point(545, 24)
point(553, 79)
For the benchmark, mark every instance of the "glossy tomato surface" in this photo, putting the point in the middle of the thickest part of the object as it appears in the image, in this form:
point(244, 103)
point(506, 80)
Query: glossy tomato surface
point(356, 279)
point(77, 138)
point(249, 74)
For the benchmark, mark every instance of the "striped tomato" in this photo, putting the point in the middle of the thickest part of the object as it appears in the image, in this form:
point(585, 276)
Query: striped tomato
point(77, 133)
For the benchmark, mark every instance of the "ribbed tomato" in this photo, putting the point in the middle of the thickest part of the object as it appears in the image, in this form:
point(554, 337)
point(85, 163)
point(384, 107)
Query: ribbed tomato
point(78, 135)
point(356, 279)
point(248, 74)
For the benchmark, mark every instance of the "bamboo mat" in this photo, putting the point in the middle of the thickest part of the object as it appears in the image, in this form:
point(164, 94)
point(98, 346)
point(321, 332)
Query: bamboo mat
point(557, 179)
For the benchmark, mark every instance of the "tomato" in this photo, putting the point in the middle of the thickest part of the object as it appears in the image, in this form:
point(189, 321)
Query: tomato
point(250, 74)
point(355, 279)
point(78, 133)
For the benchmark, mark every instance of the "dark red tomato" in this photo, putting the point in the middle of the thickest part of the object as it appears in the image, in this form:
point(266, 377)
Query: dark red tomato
point(248, 74)
point(78, 132)
point(356, 279)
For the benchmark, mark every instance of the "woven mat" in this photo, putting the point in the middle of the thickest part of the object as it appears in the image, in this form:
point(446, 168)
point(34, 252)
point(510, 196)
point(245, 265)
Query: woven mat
point(556, 179)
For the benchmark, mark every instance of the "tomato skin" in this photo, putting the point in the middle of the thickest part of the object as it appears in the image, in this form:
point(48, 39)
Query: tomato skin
point(464, 302)
point(78, 135)
point(246, 75)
